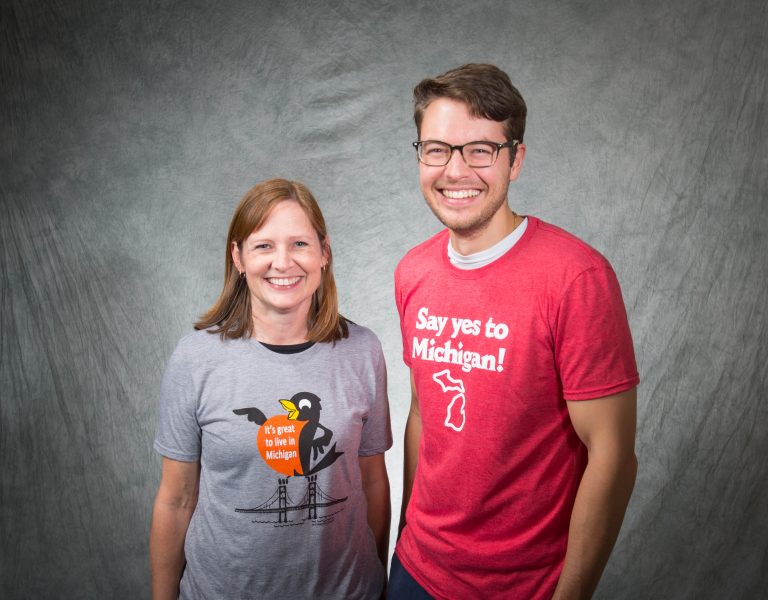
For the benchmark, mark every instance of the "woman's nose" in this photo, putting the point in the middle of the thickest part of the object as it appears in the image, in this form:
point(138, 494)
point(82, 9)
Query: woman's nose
point(282, 258)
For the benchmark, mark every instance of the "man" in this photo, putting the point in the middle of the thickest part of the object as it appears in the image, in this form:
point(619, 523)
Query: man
point(519, 445)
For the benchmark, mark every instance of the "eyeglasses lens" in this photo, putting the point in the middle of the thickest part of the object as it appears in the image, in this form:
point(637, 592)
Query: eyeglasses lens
point(476, 154)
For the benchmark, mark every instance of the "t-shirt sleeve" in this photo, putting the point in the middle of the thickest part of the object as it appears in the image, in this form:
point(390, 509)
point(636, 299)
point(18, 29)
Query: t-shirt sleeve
point(593, 343)
point(178, 433)
point(400, 311)
point(376, 436)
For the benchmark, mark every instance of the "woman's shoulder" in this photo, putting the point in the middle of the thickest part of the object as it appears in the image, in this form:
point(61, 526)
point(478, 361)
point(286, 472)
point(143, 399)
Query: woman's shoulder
point(361, 337)
point(357, 331)
point(199, 343)
point(200, 337)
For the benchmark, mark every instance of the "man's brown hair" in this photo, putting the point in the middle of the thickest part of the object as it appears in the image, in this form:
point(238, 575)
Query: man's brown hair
point(484, 88)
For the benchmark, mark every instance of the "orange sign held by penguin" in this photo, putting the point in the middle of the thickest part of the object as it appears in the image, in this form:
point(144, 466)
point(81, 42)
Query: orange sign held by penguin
point(290, 444)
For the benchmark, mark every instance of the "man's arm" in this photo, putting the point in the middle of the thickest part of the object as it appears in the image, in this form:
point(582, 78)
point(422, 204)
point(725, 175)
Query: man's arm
point(373, 471)
point(606, 426)
point(411, 452)
point(175, 502)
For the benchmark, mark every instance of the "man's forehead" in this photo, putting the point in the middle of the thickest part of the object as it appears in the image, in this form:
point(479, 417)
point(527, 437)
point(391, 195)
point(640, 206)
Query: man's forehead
point(445, 116)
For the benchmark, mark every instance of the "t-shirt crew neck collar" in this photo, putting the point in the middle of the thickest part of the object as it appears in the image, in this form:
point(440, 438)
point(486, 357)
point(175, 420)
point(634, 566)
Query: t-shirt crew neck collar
point(477, 260)
point(278, 355)
point(288, 348)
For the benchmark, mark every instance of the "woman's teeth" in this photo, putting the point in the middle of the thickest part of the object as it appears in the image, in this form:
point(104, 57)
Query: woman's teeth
point(283, 280)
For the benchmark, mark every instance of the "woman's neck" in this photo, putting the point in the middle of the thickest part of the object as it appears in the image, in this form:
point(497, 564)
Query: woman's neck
point(280, 329)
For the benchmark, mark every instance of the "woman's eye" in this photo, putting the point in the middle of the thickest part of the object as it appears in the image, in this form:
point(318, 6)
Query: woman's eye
point(302, 244)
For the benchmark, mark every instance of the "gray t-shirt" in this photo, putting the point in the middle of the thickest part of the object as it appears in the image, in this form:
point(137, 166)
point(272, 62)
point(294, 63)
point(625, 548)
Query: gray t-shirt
point(281, 512)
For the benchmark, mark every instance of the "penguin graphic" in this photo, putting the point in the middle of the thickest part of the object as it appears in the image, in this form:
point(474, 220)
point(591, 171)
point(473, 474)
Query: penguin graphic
point(300, 428)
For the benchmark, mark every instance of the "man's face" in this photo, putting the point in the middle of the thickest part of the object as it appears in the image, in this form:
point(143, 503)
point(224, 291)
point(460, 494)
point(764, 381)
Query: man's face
point(468, 201)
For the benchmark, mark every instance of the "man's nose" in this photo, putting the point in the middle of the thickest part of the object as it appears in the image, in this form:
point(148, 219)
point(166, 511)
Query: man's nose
point(456, 167)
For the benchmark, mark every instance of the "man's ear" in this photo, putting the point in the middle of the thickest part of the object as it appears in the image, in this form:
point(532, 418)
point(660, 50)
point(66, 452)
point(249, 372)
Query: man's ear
point(517, 163)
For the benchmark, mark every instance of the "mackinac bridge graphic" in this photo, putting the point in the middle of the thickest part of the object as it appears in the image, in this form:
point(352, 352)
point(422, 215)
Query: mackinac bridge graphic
point(311, 506)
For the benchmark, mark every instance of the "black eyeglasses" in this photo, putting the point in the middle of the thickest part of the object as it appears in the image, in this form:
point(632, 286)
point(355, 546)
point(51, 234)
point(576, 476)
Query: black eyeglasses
point(476, 154)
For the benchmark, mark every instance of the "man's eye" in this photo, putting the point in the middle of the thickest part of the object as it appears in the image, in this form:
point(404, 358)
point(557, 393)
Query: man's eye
point(434, 150)
point(481, 150)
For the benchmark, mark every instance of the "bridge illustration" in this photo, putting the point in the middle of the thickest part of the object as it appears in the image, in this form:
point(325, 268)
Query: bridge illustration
point(280, 503)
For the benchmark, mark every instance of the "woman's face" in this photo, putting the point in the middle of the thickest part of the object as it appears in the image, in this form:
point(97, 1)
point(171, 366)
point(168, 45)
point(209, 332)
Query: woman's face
point(282, 261)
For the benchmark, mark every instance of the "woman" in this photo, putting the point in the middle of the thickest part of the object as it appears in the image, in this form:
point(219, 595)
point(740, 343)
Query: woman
point(273, 426)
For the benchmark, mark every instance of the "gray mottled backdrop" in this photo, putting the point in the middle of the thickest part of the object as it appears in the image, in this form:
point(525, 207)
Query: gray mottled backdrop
point(131, 129)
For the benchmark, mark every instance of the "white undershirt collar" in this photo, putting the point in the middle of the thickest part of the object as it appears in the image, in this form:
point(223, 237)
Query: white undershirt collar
point(487, 256)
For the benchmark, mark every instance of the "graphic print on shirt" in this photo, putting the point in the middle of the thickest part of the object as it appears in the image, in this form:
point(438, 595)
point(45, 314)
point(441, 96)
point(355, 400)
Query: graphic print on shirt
point(456, 416)
point(291, 445)
point(430, 348)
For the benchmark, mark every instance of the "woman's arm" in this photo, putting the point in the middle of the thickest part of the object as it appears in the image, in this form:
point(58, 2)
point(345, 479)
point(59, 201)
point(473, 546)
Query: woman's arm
point(175, 502)
point(373, 470)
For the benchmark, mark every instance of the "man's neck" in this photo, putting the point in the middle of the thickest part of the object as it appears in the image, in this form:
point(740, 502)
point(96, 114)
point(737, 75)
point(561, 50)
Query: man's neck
point(485, 257)
point(470, 242)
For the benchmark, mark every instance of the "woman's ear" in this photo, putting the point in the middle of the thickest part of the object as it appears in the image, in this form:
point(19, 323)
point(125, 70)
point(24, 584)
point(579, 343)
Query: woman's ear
point(236, 258)
point(326, 251)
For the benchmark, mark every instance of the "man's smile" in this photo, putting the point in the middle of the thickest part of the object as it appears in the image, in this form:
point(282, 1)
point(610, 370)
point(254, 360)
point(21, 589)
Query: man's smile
point(460, 194)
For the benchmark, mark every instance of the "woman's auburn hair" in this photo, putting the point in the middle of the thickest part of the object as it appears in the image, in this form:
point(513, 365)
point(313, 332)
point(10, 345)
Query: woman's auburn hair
point(231, 315)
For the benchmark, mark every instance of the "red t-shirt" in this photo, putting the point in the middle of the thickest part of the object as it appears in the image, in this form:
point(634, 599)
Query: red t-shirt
point(495, 353)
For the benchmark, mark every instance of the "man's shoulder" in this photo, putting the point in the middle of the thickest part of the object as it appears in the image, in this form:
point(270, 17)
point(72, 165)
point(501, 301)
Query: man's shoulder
point(552, 243)
point(426, 252)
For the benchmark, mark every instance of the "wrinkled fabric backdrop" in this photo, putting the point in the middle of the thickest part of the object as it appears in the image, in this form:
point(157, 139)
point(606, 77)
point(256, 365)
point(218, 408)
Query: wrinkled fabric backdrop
point(130, 130)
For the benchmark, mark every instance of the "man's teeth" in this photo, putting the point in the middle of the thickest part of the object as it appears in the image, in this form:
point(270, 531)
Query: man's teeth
point(460, 194)
point(283, 280)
